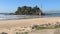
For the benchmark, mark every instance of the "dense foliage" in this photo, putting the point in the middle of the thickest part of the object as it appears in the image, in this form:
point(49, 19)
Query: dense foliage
point(25, 10)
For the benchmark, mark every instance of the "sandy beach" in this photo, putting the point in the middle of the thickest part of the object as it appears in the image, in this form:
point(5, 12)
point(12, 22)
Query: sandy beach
point(11, 26)
point(28, 22)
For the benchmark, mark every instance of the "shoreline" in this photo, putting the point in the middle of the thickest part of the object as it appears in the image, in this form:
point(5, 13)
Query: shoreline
point(27, 18)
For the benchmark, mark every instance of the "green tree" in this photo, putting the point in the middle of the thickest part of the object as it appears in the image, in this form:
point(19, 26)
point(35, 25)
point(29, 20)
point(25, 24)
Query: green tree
point(37, 10)
point(18, 11)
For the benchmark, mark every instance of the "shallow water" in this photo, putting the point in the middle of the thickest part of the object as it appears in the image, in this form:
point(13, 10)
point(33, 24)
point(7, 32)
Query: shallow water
point(6, 16)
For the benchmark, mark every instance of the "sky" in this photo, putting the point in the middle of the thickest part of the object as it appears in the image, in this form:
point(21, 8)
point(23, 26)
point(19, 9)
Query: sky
point(10, 6)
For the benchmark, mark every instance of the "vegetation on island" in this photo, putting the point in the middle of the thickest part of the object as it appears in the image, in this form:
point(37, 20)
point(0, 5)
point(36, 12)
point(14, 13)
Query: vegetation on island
point(25, 10)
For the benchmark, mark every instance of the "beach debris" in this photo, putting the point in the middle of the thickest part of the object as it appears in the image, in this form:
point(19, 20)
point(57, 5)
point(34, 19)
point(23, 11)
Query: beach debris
point(3, 33)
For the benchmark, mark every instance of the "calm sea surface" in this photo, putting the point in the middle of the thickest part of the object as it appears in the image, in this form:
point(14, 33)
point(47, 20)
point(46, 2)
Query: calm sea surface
point(10, 17)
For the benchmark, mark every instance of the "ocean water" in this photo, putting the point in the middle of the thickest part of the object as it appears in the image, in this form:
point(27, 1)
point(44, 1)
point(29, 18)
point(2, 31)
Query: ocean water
point(5, 16)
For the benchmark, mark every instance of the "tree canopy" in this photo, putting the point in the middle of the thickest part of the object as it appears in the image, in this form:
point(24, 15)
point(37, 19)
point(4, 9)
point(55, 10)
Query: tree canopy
point(25, 10)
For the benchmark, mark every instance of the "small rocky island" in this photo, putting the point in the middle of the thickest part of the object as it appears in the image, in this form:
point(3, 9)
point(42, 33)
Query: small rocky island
point(26, 10)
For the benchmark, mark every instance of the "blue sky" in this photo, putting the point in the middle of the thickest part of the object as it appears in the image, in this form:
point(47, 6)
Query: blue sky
point(10, 6)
